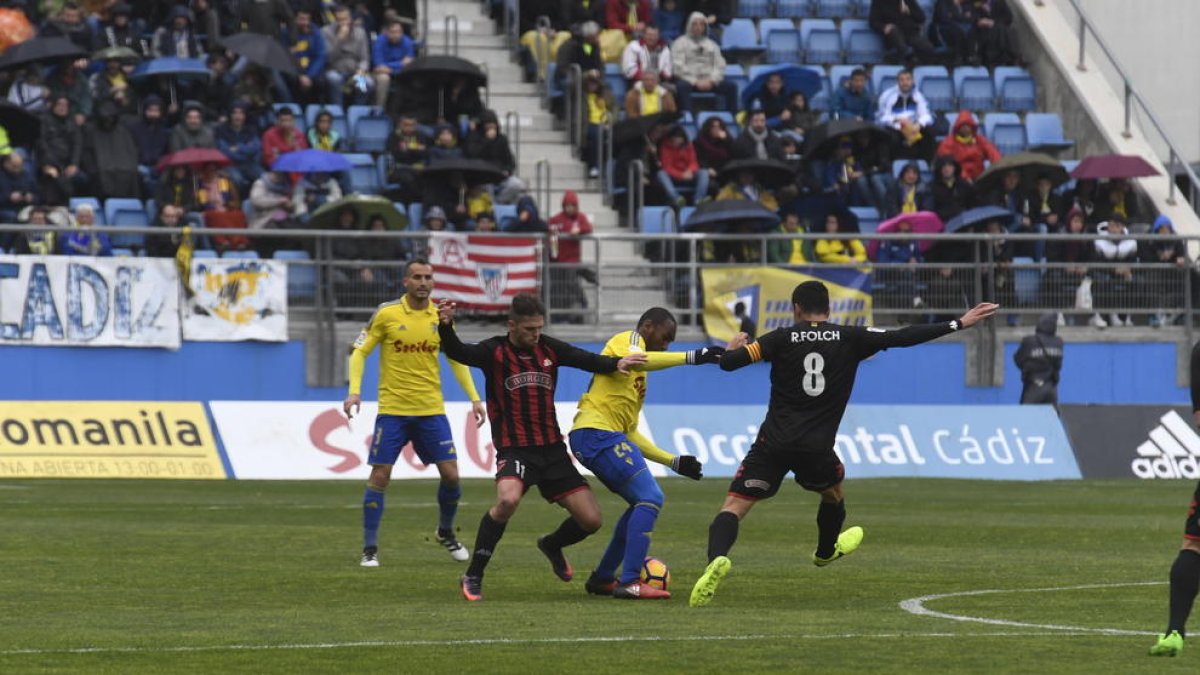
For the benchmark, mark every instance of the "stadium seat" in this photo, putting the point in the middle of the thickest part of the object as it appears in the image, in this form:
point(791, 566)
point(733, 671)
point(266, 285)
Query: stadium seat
point(76, 202)
point(364, 174)
point(297, 110)
point(740, 36)
point(339, 118)
point(1027, 281)
point(868, 218)
point(768, 26)
point(821, 40)
point(862, 44)
point(301, 277)
point(371, 132)
point(754, 8)
point(783, 45)
point(383, 163)
point(883, 77)
point(834, 9)
point(1016, 89)
point(734, 72)
point(1044, 133)
point(684, 214)
point(935, 83)
point(792, 9)
point(505, 214)
point(416, 212)
point(122, 253)
point(1005, 131)
point(974, 88)
point(202, 253)
point(823, 99)
point(658, 220)
point(241, 255)
point(122, 212)
point(619, 86)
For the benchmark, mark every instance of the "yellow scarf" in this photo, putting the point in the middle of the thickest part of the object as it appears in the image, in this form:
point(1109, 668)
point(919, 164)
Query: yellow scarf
point(651, 101)
point(632, 19)
point(965, 140)
point(910, 200)
point(324, 141)
point(1119, 207)
point(597, 109)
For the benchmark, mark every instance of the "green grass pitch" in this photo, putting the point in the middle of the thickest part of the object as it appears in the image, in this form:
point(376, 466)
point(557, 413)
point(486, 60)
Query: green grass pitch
point(263, 577)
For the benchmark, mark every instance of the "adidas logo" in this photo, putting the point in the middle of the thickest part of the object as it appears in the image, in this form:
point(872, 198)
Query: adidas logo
point(1172, 451)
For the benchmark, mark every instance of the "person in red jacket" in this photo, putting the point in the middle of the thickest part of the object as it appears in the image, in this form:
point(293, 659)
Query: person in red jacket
point(968, 147)
point(630, 16)
point(282, 138)
point(677, 156)
point(565, 250)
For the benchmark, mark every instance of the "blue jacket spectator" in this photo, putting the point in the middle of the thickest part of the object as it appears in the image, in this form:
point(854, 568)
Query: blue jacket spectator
point(18, 189)
point(897, 251)
point(391, 54)
point(86, 240)
point(242, 143)
point(308, 47)
point(852, 101)
point(150, 131)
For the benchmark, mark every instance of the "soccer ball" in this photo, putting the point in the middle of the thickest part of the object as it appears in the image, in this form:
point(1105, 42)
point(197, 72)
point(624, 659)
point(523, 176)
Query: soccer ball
point(655, 573)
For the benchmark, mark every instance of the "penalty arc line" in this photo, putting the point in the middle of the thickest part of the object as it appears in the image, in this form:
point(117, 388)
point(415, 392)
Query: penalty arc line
point(917, 607)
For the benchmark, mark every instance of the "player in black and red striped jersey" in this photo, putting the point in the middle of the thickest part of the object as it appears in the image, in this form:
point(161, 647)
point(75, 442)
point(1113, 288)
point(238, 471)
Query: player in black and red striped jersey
point(521, 372)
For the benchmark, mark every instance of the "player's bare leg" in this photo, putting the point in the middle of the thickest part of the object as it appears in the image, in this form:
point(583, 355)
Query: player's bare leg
point(509, 491)
point(448, 494)
point(584, 520)
point(1185, 581)
point(832, 543)
point(373, 502)
point(721, 536)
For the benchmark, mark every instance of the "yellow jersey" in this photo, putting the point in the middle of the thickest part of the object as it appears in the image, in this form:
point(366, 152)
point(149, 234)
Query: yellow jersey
point(410, 382)
point(614, 400)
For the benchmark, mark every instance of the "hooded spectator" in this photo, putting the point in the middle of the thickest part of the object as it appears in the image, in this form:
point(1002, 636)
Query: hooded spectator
point(1166, 249)
point(241, 144)
point(435, 219)
point(119, 31)
point(59, 152)
point(110, 155)
point(907, 194)
point(177, 38)
point(565, 248)
point(1039, 359)
point(488, 143)
point(528, 220)
point(445, 144)
point(698, 66)
point(951, 194)
point(649, 52)
point(192, 132)
point(968, 147)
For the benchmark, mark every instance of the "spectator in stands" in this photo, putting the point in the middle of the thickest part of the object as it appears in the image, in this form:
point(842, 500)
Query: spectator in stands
point(903, 108)
point(17, 189)
point(1083, 197)
point(272, 206)
point(118, 31)
point(348, 55)
point(357, 285)
point(488, 143)
point(409, 148)
point(790, 251)
point(177, 187)
point(192, 132)
point(485, 222)
point(951, 195)
point(164, 245)
point(28, 90)
point(110, 155)
point(648, 98)
point(1075, 254)
point(1116, 198)
point(313, 191)
point(282, 138)
point(746, 187)
point(648, 53)
point(680, 168)
point(952, 20)
point(668, 19)
point(845, 178)
point(1039, 214)
point(968, 147)
point(901, 282)
point(86, 240)
point(114, 84)
point(35, 241)
point(252, 89)
point(565, 249)
point(322, 135)
point(852, 100)
point(461, 100)
point(69, 23)
point(907, 194)
point(838, 250)
point(798, 118)
point(600, 109)
point(241, 144)
point(267, 17)
point(902, 25)
point(698, 66)
point(59, 151)
point(176, 37)
point(435, 219)
point(207, 21)
point(628, 16)
point(583, 50)
point(992, 33)
point(774, 100)
point(215, 190)
point(528, 221)
point(392, 51)
point(308, 49)
point(1169, 249)
point(997, 278)
point(70, 80)
point(757, 141)
point(714, 146)
point(478, 199)
point(579, 12)
point(1009, 195)
point(1115, 287)
point(445, 144)
point(717, 12)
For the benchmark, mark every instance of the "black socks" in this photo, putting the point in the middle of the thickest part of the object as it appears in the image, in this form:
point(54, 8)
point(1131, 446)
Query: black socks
point(722, 534)
point(1185, 580)
point(830, 518)
point(489, 535)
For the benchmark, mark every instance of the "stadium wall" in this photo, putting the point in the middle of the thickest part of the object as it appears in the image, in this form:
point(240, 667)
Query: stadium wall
point(1098, 373)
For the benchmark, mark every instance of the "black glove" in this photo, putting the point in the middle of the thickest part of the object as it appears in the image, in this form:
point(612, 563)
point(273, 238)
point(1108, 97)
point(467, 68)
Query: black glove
point(704, 355)
point(687, 465)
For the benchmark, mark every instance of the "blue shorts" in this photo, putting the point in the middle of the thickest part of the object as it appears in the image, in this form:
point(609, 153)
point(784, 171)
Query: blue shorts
point(430, 436)
point(608, 454)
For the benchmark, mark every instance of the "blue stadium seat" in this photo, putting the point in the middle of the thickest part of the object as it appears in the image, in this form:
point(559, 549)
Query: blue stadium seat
point(364, 174)
point(355, 112)
point(684, 214)
point(505, 215)
point(658, 220)
point(340, 124)
point(241, 255)
point(1027, 281)
point(974, 88)
point(296, 109)
point(301, 277)
point(203, 253)
point(416, 212)
point(1005, 131)
point(734, 72)
point(383, 163)
point(823, 46)
point(1044, 133)
point(792, 9)
point(767, 26)
point(754, 8)
point(834, 9)
point(868, 218)
point(808, 26)
point(122, 212)
point(101, 217)
point(862, 44)
point(371, 132)
point(619, 86)
point(884, 77)
point(823, 99)
point(740, 35)
point(1016, 89)
point(122, 253)
point(782, 46)
point(935, 83)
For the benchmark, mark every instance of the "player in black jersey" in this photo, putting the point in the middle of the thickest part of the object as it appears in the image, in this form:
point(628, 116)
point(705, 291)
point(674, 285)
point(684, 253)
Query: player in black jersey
point(521, 372)
point(813, 365)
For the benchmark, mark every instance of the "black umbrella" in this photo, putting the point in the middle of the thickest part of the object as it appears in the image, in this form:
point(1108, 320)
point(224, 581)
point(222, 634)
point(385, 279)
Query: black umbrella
point(1031, 166)
point(636, 128)
point(726, 215)
point(262, 50)
point(40, 49)
point(474, 171)
point(823, 139)
point(23, 127)
point(442, 70)
point(978, 216)
point(769, 173)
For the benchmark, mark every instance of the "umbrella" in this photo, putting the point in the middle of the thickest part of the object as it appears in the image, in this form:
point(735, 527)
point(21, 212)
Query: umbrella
point(474, 171)
point(365, 207)
point(1113, 166)
point(40, 49)
point(634, 129)
point(171, 65)
point(14, 28)
point(1030, 165)
point(923, 222)
point(441, 69)
point(770, 173)
point(193, 157)
point(23, 127)
point(262, 50)
point(722, 216)
point(821, 141)
point(795, 79)
point(977, 216)
point(116, 54)
point(311, 161)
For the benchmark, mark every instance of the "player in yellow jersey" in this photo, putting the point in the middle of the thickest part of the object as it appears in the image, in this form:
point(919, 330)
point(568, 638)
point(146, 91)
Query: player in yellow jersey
point(410, 404)
point(605, 439)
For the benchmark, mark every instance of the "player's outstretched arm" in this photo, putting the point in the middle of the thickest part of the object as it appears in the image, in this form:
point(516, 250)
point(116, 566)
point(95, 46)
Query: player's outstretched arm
point(573, 357)
point(739, 354)
point(875, 339)
point(684, 465)
point(695, 357)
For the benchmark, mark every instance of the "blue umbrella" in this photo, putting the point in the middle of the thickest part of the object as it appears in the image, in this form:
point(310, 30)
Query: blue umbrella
point(726, 215)
point(978, 216)
point(171, 65)
point(795, 79)
point(311, 161)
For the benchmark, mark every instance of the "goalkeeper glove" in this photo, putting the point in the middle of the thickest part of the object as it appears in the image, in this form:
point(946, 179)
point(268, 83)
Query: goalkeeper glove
point(687, 465)
point(704, 355)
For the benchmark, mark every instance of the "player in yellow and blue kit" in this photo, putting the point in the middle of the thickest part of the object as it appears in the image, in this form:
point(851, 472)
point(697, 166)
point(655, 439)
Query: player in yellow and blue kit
point(410, 404)
point(606, 440)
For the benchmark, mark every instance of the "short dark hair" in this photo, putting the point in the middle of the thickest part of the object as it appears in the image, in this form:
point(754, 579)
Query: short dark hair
point(858, 71)
point(812, 296)
point(285, 110)
point(524, 306)
point(657, 316)
point(906, 70)
point(739, 308)
point(415, 261)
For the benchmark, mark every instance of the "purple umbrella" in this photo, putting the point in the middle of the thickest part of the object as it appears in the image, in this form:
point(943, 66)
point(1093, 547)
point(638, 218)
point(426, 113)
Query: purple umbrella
point(1113, 166)
point(923, 222)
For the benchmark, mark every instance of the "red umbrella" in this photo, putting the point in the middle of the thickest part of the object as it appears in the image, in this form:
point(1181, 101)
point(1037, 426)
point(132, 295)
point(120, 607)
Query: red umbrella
point(193, 157)
point(1113, 166)
point(923, 222)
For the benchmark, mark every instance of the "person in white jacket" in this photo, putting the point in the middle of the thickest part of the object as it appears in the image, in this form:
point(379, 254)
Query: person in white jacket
point(1117, 285)
point(698, 65)
point(903, 107)
point(648, 53)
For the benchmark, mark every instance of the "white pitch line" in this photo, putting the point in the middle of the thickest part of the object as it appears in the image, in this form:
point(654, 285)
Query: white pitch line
point(532, 641)
point(917, 606)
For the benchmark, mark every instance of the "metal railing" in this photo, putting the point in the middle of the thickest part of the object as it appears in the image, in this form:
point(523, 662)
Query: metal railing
point(1176, 162)
point(450, 37)
point(573, 108)
point(635, 195)
point(542, 177)
point(512, 130)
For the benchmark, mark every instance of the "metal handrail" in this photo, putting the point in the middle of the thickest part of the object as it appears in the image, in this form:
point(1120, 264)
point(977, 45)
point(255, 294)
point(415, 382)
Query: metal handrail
point(606, 152)
point(451, 20)
point(1176, 159)
point(570, 111)
point(425, 24)
point(541, 183)
point(512, 130)
point(635, 195)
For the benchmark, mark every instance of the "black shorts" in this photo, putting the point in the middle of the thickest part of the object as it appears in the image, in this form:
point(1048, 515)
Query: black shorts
point(1191, 529)
point(548, 467)
point(764, 468)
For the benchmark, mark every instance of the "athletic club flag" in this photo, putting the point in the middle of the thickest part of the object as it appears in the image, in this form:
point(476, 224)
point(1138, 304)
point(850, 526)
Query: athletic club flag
point(483, 272)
